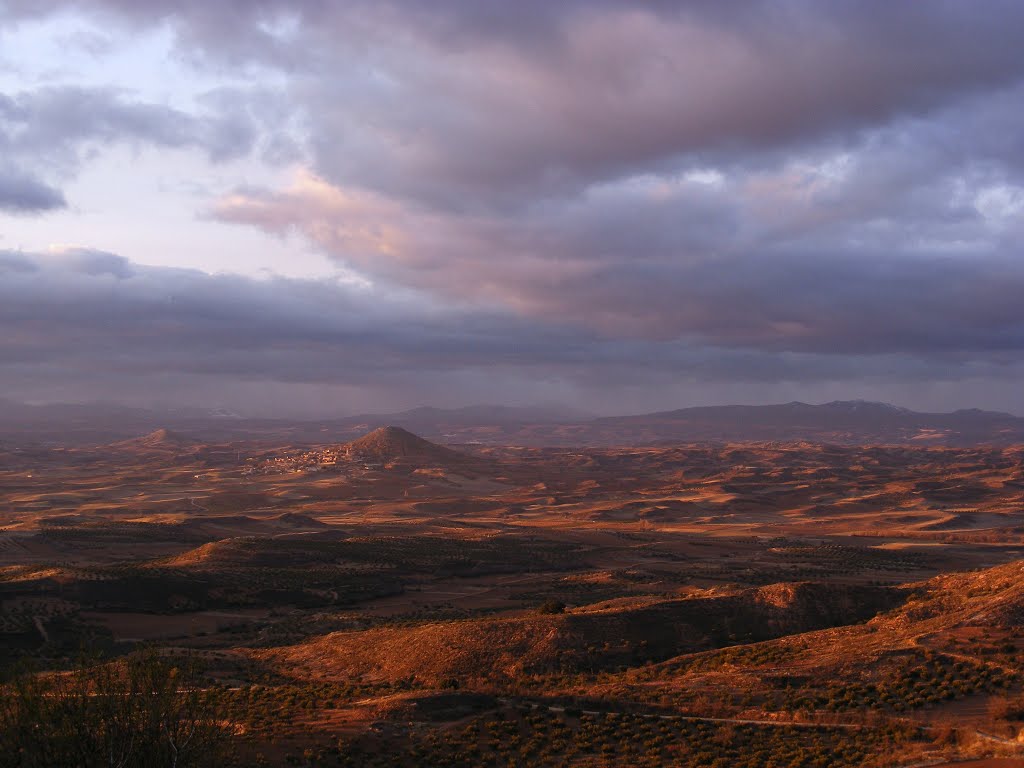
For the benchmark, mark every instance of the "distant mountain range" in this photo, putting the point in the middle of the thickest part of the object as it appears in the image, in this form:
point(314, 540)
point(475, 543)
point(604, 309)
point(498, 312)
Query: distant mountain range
point(842, 422)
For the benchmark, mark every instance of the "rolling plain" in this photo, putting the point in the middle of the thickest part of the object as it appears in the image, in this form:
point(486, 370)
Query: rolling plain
point(392, 601)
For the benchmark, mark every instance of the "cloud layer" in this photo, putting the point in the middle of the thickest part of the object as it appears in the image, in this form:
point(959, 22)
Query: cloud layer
point(758, 194)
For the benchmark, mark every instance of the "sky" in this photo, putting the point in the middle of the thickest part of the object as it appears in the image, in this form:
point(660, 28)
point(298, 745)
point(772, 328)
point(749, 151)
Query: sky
point(338, 206)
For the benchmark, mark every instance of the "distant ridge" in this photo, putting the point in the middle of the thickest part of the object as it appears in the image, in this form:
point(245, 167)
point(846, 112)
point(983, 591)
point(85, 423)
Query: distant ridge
point(846, 422)
point(467, 420)
point(840, 410)
point(839, 421)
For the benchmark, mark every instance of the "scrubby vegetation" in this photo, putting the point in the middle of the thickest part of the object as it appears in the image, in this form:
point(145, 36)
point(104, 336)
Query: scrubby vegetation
point(918, 683)
point(144, 712)
point(541, 738)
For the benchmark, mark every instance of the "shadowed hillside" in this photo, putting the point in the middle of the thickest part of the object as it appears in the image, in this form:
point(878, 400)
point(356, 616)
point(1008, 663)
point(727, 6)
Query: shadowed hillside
point(158, 440)
point(592, 639)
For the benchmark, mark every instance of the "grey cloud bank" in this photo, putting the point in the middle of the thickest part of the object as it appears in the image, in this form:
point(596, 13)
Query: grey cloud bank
point(102, 327)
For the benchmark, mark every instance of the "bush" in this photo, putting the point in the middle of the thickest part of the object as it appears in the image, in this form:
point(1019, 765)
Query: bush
point(552, 606)
point(144, 712)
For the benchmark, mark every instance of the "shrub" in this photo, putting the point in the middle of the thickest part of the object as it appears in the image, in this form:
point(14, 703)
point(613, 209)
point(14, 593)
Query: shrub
point(552, 606)
point(146, 711)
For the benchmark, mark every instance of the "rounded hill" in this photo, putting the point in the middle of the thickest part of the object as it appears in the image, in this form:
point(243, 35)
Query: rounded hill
point(392, 443)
